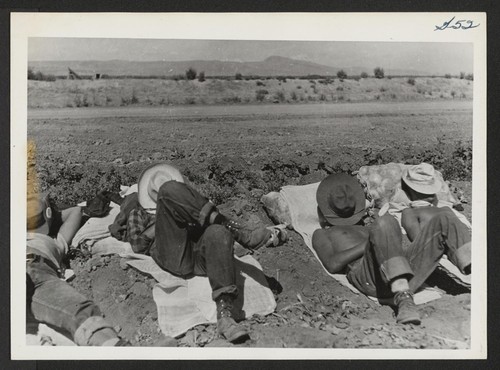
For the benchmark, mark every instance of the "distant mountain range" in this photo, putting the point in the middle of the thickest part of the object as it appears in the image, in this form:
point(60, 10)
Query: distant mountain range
point(272, 66)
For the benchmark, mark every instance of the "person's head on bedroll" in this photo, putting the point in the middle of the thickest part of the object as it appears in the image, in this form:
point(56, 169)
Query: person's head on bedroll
point(150, 181)
point(38, 214)
point(421, 180)
point(341, 200)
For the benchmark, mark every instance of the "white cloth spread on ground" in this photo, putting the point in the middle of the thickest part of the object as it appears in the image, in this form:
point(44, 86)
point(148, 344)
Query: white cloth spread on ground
point(181, 303)
point(301, 203)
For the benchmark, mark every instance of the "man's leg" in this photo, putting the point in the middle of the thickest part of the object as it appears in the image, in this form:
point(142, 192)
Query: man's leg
point(58, 304)
point(214, 258)
point(443, 233)
point(385, 269)
point(179, 211)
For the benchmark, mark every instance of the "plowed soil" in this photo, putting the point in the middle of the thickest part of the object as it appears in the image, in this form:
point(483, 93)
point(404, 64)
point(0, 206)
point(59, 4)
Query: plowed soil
point(234, 158)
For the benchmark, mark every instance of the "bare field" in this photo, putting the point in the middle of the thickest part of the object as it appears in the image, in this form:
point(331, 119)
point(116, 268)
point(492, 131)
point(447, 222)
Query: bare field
point(234, 155)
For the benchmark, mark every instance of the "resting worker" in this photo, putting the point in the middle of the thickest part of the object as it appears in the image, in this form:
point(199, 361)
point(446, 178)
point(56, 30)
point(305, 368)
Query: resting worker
point(186, 235)
point(373, 257)
point(50, 299)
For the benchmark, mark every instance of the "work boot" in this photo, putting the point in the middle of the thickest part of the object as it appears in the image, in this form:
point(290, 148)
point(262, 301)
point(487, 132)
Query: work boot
point(407, 310)
point(226, 326)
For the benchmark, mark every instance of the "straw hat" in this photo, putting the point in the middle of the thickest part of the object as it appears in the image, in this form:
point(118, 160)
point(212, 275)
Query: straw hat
point(150, 181)
point(422, 178)
point(341, 199)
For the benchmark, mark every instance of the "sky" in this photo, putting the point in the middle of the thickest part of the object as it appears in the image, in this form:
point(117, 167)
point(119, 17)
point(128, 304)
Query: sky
point(429, 57)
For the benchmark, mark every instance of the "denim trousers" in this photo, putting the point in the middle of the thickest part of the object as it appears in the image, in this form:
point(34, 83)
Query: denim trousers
point(185, 245)
point(56, 303)
point(385, 258)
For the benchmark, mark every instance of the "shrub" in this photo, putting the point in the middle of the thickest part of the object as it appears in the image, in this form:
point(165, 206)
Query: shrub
point(190, 100)
point(378, 72)
point(411, 81)
point(39, 76)
point(231, 99)
point(383, 89)
point(280, 96)
point(470, 77)
point(339, 88)
point(341, 75)
point(447, 75)
point(31, 74)
point(462, 75)
point(238, 76)
point(453, 93)
point(364, 75)
point(201, 76)
point(191, 74)
point(260, 83)
point(261, 94)
point(294, 96)
point(356, 78)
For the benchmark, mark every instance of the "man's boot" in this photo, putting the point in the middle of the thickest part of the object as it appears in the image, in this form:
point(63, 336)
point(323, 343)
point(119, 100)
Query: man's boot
point(407, 310)
point(226, 326)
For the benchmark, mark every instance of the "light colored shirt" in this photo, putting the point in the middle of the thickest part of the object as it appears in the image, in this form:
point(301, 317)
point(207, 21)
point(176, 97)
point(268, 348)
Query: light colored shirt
point(53, 249)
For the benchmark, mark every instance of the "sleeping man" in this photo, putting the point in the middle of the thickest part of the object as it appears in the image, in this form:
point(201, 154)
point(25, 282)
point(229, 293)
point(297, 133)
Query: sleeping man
point(373, 257)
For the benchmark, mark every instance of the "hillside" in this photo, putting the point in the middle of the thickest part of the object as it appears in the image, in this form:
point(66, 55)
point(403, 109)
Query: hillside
point(272, 66)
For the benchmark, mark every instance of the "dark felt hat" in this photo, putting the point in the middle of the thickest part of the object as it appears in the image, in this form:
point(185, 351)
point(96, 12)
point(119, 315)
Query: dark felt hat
point(341, 199)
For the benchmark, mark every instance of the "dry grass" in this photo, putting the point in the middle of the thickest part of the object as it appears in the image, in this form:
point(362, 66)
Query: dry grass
point(155, 92)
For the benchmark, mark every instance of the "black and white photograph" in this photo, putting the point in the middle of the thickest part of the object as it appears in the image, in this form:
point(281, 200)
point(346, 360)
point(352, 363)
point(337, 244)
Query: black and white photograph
point(220, 186)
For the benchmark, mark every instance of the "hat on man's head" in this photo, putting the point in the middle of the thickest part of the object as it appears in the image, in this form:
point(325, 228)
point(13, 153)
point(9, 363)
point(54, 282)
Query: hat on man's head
point(422, 178)
point(150, 181)
point(39, 214)
point(341, 199)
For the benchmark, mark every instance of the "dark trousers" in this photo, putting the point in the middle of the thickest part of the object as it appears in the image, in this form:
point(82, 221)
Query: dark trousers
point(185, 247)
point(385, 258)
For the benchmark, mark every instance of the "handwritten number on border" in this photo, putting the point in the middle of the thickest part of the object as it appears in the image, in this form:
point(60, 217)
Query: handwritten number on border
point(456, 25)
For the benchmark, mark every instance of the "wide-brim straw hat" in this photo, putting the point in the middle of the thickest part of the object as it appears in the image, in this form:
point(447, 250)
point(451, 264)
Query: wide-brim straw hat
point(150, 181)
point(341, 199)
point(422, 178)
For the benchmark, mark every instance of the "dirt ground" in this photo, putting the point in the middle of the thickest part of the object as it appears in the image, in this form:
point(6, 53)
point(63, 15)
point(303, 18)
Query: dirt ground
point(235, 159)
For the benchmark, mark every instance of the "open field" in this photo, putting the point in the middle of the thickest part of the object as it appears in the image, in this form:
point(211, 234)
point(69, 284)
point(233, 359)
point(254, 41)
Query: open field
point(157, 92)
point(234, 155)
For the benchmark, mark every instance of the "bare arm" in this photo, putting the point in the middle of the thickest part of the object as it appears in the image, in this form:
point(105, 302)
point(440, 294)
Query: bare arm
point(71, 221)
point(333, 259)
point(414, 220)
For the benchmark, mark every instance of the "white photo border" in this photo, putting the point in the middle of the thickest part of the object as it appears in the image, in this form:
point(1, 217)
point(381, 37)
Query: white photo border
point(390, 27)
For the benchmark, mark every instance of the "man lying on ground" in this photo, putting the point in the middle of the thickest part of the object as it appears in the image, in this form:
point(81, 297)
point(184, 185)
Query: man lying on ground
point(373, 256)
point(50, 299)
point(186, 235)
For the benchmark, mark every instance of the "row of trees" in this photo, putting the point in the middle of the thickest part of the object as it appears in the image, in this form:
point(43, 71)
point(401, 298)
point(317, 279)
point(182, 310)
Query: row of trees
point(191, 74)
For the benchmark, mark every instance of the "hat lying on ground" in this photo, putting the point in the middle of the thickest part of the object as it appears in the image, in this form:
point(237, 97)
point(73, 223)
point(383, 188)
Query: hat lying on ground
point(150, 181)
point(341, 199)
point(422, 178)
point(39, 215)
